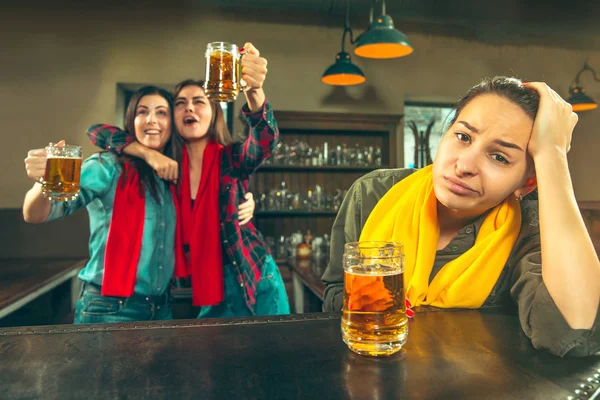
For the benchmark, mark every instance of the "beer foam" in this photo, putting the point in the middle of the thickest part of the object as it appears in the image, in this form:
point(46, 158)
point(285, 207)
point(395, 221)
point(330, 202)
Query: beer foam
point(64, 157)
point(375, 270)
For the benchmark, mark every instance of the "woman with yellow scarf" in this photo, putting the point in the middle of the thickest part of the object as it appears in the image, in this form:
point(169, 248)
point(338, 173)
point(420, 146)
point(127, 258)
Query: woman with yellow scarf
point(474, 229)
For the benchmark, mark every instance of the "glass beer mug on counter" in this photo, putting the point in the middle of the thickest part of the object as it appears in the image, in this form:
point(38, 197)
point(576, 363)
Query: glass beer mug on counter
point(63, 172)
point(223, 72)
point(374, 318)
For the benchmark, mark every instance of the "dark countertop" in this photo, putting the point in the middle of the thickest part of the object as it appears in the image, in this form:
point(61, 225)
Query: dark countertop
point(479, 354)
point(310, 272)
point(22, 279)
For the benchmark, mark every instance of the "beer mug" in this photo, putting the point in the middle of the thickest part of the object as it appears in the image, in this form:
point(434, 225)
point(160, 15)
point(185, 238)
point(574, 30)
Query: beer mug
point(223, 72)
point(63, 170)
point(374, 318)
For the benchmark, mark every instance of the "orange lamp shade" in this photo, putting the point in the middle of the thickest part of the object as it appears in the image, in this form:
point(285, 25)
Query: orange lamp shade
point(382, 40)
point(343, 72)
point(580, 101)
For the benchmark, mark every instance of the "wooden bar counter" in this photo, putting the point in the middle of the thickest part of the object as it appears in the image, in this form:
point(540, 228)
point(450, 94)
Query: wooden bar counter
point(478, 354)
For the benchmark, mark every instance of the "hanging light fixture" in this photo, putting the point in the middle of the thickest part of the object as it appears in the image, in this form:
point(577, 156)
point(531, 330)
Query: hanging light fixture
point(343, 72)
point(579, 100)
point(381, 40)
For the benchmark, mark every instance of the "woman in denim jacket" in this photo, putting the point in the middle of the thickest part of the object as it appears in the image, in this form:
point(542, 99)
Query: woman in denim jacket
point(132, 220)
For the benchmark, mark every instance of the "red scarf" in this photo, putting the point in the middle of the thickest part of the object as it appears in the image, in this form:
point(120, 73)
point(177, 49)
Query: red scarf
point(124, 242)
point(199, 229)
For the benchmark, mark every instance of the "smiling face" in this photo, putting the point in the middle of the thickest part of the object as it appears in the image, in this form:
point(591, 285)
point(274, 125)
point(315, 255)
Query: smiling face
point(152, 123)
point(193, 113)
point(483, 157)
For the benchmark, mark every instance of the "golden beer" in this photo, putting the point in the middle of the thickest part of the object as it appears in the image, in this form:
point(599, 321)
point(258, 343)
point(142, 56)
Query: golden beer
point(222, 72)
point(63, 172)
point(374, 318)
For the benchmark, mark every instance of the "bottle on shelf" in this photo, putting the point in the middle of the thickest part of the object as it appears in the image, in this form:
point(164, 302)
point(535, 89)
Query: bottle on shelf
point(304, 250)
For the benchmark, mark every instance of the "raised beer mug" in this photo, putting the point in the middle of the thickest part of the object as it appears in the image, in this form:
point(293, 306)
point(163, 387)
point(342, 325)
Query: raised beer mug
point(63, 170)
point(223, 72)
point(374, 318)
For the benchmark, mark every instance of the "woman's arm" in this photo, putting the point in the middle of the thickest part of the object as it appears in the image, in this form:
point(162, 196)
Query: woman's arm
point(540, 318)
point(111, 138)
point(346, 228)
point(570, 265)
point(247, 156)
point(36, 208)
point(97, 176)
point(254, 73)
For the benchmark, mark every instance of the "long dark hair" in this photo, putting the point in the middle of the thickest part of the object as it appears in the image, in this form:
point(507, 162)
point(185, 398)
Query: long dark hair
point(217, 129)
point(173, 147)
point(510, 88)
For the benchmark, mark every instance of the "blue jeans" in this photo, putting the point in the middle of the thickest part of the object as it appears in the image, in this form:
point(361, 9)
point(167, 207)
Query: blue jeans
point(271, 298)
point(93, 308)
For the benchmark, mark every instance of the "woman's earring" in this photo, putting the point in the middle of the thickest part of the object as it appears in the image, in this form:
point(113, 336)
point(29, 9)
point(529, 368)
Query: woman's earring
point(519, 198)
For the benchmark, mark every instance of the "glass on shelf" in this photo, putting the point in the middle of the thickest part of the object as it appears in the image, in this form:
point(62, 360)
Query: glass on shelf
point(378, 157)
point(314, 200)
point(286, 246)
point(301, 154)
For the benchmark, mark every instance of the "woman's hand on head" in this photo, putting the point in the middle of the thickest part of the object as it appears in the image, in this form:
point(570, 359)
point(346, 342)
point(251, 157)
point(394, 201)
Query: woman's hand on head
point(35, 163)
point(554, 123)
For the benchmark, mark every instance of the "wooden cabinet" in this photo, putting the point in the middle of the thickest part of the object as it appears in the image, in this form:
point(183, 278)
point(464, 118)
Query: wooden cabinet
point(314, 129)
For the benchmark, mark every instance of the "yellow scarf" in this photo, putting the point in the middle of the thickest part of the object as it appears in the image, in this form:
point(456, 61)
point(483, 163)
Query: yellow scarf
point(408, 214)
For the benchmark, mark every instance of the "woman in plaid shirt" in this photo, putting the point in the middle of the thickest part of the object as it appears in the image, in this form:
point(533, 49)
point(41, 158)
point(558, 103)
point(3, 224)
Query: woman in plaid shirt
point(231, 269)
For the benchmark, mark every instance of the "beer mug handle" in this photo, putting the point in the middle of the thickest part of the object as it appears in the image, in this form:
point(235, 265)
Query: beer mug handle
point(245, 87)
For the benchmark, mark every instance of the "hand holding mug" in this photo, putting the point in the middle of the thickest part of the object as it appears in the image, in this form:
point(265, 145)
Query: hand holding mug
point(254, 68)
point(35, 163)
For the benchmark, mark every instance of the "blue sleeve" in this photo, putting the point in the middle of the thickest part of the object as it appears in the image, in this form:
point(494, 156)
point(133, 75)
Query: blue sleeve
point(98, 174)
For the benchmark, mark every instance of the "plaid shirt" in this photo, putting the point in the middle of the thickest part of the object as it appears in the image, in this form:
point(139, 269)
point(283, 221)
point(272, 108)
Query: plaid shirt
point(243, 246)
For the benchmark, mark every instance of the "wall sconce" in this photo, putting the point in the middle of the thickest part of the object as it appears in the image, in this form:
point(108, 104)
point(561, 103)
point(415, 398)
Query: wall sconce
point(579, 100)
point(381, 40)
